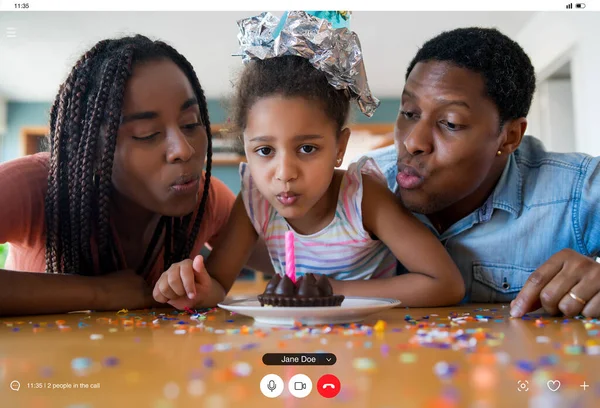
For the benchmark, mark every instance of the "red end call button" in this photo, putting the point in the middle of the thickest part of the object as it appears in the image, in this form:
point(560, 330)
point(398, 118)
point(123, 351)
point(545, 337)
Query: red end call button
point(329, 386)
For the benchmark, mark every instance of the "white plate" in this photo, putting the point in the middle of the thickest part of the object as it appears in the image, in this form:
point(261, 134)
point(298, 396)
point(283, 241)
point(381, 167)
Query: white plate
point(353, 309)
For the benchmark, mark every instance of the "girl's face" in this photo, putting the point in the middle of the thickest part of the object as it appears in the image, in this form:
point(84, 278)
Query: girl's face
point(161, 143)
point(292, 148)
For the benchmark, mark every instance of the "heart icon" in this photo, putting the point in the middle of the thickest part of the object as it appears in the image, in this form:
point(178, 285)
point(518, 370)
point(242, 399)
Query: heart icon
point(553, 385)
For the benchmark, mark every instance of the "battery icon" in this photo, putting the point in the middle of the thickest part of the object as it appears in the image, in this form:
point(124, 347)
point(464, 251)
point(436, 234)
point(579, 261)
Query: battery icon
point(580, 5)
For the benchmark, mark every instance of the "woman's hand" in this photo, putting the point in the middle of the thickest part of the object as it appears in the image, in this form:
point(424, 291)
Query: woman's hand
point(184, 284)
point(122, 289)
point(62, 293)
point(568, 282)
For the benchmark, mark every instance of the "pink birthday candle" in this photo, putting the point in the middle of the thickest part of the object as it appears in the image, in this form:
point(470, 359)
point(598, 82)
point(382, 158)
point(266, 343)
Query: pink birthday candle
point(290, 258)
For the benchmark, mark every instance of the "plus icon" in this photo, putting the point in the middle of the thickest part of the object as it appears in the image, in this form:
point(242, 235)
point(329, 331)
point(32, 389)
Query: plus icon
point(584, 386)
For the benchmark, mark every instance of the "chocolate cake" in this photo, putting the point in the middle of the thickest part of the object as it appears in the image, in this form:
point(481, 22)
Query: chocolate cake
point(309, 291)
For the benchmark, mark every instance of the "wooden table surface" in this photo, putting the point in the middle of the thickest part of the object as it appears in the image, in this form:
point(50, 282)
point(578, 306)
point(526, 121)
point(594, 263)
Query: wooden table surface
point(470, 356)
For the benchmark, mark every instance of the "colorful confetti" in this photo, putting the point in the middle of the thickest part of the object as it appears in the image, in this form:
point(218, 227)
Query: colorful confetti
point(171, 390)
point(242, 369)
point(196, 388)
point(479, 336)
point(408, 358)
point(380, 326)
point(364, 364)
point(444, 370)
point(111, 361)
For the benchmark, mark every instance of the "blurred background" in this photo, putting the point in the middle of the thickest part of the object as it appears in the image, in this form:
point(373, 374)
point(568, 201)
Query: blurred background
point(37, 49)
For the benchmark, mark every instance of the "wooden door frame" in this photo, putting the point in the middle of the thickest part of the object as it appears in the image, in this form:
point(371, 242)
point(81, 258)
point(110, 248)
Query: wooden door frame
point(27, 132)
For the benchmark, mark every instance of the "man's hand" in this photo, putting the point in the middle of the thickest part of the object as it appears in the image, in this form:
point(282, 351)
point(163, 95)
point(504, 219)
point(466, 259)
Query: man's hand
point(184, 284)
point(568, 282)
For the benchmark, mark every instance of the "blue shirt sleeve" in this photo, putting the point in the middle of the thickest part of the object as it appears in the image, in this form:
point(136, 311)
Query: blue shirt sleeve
point(589, 211)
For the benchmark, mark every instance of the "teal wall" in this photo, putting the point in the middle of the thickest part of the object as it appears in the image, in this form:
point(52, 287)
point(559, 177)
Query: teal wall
point(385, 113)
point(228, 175)
point(21, 114)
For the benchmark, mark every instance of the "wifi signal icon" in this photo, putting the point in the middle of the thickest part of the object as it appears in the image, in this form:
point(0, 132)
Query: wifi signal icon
point(523, 385)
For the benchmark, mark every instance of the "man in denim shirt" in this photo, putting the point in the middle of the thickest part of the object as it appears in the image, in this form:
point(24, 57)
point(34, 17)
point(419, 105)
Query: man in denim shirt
point(516, 219)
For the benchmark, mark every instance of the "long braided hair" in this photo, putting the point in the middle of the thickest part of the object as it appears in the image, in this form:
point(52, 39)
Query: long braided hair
point(81, 160)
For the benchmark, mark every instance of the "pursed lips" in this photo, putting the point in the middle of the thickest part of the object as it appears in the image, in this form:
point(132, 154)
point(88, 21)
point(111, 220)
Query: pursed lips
point(409, 170)
point(185, 179)
point(408, 177)
point(287, 197)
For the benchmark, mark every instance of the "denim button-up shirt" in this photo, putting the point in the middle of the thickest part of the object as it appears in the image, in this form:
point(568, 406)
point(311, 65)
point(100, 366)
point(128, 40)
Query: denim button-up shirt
point(544, 202)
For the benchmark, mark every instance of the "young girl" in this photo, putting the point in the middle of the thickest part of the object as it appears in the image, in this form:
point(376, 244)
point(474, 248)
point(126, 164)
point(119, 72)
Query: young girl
point(122, 189)
point(294, 131)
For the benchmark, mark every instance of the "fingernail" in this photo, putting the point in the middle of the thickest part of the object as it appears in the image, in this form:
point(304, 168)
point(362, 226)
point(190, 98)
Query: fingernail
point(515, 311)
point(191, 295)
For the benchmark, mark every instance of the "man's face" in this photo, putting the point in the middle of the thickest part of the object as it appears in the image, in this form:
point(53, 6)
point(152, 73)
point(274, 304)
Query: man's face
point(447, 135)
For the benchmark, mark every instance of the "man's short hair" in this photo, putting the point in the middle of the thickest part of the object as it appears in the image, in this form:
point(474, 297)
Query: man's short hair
point(506, 69)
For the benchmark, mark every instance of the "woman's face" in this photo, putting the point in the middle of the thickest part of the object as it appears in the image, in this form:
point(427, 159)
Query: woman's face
point(161, 142)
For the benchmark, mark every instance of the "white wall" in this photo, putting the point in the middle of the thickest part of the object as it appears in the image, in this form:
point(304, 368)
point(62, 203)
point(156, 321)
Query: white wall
point(48, 43)
point(551, 39)
point(3, 121)
point(556, 115)
point(534, 119)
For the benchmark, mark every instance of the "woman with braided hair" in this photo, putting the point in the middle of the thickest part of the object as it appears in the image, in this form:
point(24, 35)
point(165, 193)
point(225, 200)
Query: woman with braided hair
point(122, 196)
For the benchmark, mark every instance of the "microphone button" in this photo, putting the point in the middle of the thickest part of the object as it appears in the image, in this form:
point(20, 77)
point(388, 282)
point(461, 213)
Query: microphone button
point(271, 386)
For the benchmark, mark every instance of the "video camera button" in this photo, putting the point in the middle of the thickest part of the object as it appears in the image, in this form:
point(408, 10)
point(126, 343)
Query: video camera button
point(300, 386)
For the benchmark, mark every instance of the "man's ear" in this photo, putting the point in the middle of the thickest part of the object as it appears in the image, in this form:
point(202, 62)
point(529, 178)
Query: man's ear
point(514, 129)
point(342, 143)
